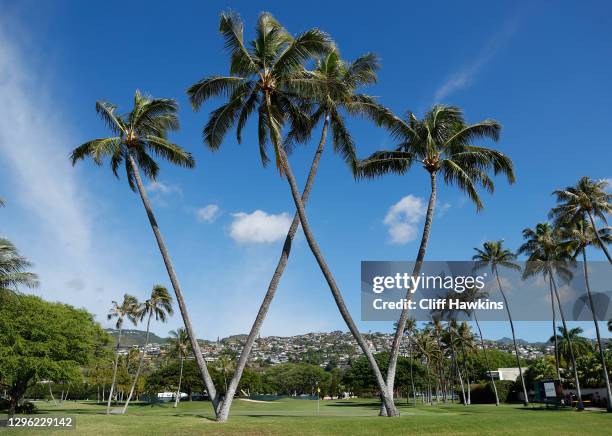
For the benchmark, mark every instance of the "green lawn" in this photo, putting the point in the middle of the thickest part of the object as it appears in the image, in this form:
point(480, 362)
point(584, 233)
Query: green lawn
point(335, 417)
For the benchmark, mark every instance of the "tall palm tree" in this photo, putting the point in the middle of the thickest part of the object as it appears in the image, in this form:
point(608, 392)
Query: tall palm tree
point(270, 78)
point(127, 309)
point(425, 344)
point(410, 330)
point(549, 256)
point(472, 293)
point(180, 347)
point(494, 255)
point(14, 268)
point(588, 199)
point(450, 338)
point(334, 74)
point(442, 143)
point(137, 135)
point(579, 235)
point(160, 305)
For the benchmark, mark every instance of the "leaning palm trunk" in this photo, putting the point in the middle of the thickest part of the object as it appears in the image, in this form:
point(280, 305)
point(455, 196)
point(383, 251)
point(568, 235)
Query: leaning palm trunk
point(580, 405)
point(484, 350)
point(554, 326)
point(518, 361)
point(224, 410)
point(208, 382)
point(467, 372)
point(401, 323)
point(387, 397)
point(602, 245)
point(51, 393)
point(411, 370)
point(599, 344)
point(112, 386)
point(178, 391)
point(140, 362)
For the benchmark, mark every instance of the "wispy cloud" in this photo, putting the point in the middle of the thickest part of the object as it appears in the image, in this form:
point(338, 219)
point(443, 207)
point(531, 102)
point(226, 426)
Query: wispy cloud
point(609, 182)
point(34, 148)
point(208, 214)
point(467, 73)
point(259, 227)
point(403, 218)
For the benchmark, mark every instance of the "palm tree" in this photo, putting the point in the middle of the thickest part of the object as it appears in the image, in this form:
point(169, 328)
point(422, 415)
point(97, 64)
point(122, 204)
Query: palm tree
point(409, 331)
point(334, 73)
point(160, 305)
point(180, 347)
point(450, 338)
point(442, 143)
point(494, 255)
point(472, 293)
point(13, 268)
point(136, 135)
point(549, 256)
point(270, 78)
point(579, 235)
point(588, 199)
point(571, 339)
point(127, 309)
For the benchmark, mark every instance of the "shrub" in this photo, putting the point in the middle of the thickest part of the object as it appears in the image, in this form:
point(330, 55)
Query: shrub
point(483, 393)
point(27, 408)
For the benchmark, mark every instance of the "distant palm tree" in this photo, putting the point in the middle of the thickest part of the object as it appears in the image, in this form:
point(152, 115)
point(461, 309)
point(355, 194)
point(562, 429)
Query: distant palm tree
point(588, 199)
point(451, 339)
point(160, 305)
point(610, 325)
point(494, 255)
point(127, 309)
point(271, 79)
point(442, 143)
point(471, 294)
point(338, 74)
point(549, 256)
point(138, 134)
point(13, 268)
point(578, 235)
point(180, 347)
point(466, 341)
point(579, 344)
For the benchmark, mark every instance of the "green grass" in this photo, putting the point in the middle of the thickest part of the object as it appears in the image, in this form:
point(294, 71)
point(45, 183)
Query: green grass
point(351, 417)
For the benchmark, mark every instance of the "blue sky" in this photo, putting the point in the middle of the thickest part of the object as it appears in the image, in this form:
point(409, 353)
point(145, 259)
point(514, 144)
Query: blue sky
point(543, 72)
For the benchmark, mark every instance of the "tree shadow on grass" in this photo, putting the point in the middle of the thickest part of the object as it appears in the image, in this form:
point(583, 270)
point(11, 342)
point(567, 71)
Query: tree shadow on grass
point(366, 405)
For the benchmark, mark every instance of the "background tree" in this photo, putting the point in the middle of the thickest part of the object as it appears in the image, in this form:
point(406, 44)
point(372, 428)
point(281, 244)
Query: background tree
point(180, 348)
point(271, 79)
point(587, 200)
point(442, 143)
point(14, 268)
point(127, 309)
point(159, 305)
point(494, 255)
point(138, 134)
point(42, 341)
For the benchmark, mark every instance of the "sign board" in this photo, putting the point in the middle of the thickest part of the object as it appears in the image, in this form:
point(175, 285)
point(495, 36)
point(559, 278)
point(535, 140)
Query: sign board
point(549, 390)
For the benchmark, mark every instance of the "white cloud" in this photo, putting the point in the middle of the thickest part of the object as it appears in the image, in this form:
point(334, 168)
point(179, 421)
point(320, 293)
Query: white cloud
point(403, 217)
point(443, 208)
point(259, 227)
point(466, 74)
point(163, 188)
point(609, 182)
point(208, 214)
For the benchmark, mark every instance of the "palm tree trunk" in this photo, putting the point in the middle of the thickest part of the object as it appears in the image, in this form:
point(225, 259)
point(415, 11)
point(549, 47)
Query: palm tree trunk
point(208, 382)
point(456, 363)
point(602, 245)
point(411, 369)
point(140, 362)
point(518, 361)
point(599, 344)
point(178, 391)
point(112, 386)
point(273, 285)
point(484, 350)
point(554, 326)
point(401, 323)
point(580, 405)
point(467, 372)
point(51, 393)
point(286, 167)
